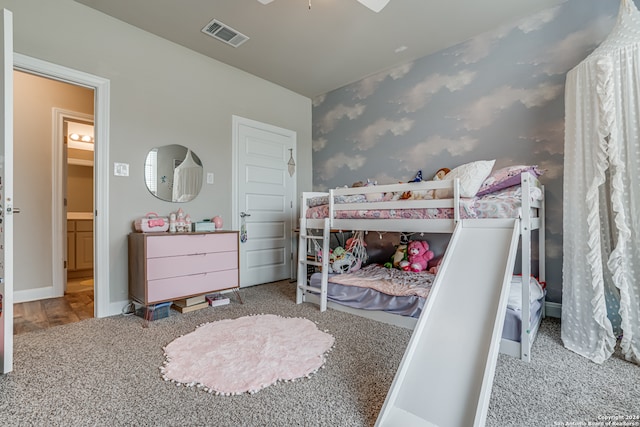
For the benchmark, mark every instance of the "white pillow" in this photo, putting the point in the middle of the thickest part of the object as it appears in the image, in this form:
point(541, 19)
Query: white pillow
point(471, 176)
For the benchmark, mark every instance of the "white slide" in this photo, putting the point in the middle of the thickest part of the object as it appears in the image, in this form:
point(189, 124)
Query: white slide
point(446, 374)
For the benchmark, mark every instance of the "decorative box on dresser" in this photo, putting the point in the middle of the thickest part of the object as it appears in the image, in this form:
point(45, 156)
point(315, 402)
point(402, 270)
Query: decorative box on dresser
point(169, 266)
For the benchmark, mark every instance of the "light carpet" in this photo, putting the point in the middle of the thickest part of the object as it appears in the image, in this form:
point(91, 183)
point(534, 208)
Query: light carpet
point(234, 356)
point(104, 372)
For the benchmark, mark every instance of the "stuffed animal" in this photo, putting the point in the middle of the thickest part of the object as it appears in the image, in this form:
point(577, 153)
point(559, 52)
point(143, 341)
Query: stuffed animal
point(418, 256)
point(434, 265)
point(418, 177)
point(373, 197)
point(400, 255)
point(439, 176)
point(342, 260)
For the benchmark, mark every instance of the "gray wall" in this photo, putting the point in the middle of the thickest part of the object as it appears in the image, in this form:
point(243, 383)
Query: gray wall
point(161, 93)
point(499, 95)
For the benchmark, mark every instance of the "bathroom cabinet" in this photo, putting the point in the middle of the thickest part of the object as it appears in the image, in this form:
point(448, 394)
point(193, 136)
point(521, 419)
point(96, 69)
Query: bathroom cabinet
point(79, 247)
point(169, 266)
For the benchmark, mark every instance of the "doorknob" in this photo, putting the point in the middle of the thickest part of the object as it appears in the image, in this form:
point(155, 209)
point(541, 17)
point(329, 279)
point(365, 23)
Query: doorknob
point(243, 214)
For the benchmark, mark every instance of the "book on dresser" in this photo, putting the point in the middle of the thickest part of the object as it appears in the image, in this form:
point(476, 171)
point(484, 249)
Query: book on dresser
point(189, 308)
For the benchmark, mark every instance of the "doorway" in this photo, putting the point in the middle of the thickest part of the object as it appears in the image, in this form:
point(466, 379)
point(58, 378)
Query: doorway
point(78, 140)
point(40, 152)
point(54, 218)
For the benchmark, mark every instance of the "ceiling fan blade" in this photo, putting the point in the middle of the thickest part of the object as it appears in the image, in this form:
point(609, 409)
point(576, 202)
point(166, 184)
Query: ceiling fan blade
point(375, 5)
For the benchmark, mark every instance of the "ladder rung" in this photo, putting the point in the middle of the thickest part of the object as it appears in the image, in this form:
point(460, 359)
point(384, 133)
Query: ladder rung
point(310, 288)
point(314, 263)
point(311, 236)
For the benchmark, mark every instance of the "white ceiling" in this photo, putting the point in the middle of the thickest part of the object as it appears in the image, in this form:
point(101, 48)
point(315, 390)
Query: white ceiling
point(336, 42)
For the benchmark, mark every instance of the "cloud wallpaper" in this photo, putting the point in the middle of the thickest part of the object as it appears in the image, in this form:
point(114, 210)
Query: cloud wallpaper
point(499, 95)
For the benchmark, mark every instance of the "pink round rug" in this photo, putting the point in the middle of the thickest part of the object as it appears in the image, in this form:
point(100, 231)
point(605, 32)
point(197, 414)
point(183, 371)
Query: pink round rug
point(235, 356)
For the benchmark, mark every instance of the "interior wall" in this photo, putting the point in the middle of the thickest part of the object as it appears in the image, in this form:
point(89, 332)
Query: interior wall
point(34, 100)
point(499, 95)
point(160, 94)
point(79, 188)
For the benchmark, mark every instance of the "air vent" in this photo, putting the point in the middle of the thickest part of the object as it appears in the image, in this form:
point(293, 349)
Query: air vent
point(224, 33)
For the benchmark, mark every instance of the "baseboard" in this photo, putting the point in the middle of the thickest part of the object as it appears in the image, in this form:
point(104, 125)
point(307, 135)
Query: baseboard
point(34, 294)
point(117, 308)
point(553, 309)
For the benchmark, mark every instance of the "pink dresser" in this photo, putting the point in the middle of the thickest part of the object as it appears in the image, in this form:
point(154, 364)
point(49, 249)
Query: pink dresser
point(166, 267)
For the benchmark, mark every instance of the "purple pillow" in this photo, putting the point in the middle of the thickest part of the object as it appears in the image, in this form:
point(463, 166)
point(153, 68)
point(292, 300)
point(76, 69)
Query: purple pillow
point(505, 178)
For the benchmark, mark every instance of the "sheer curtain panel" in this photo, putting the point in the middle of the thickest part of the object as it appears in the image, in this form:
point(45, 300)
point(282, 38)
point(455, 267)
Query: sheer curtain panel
point(601, 206)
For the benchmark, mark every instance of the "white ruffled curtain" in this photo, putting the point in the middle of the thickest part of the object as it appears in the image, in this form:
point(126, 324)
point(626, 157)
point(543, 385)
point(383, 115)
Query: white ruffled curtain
point(601, 217)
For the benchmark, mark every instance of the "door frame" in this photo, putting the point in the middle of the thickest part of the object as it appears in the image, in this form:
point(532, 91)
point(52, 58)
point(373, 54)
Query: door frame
point(237, 121)
point(101, 88)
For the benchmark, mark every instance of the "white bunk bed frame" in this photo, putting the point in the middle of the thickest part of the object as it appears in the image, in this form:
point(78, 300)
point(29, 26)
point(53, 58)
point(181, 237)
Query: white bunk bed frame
point(324, 227)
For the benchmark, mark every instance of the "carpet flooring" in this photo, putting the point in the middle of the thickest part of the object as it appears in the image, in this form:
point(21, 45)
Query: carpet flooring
point(105, 372)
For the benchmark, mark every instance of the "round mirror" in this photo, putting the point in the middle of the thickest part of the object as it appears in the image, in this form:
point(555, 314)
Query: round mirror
point(173, 173)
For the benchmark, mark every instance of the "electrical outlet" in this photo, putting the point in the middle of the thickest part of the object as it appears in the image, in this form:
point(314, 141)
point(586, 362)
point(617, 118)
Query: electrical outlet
point(209, 177)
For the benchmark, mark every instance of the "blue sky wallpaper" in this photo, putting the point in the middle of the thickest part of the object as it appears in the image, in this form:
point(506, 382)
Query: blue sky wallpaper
point(499, 95)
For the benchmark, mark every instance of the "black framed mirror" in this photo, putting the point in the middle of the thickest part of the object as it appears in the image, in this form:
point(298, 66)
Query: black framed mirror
point(173, 173)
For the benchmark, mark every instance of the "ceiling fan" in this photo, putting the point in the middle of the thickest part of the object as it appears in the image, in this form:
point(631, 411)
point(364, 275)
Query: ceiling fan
point(375, 5)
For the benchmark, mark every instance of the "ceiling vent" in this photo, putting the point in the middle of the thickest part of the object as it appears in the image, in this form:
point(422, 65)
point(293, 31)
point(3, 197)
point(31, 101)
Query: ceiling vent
point(224, 33)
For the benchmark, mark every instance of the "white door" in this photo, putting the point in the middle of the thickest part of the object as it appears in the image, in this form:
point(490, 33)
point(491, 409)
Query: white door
point(264, 202)
point(6, 197)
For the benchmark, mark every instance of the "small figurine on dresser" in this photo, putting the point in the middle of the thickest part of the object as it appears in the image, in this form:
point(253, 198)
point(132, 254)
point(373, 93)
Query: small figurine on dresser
point(183, 222)
point(172, 222)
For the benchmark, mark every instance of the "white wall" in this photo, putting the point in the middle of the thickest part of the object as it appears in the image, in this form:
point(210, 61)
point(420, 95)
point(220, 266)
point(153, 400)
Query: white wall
point(161, 93)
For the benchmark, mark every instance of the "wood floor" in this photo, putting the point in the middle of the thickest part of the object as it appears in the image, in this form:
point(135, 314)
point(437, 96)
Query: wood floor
point(75, 305)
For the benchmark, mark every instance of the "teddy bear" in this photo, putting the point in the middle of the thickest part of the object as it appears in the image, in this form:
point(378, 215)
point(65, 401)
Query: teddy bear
point(418, 256)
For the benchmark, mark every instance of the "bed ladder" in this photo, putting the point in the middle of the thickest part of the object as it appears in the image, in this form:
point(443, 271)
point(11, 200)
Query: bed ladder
point(307, 245)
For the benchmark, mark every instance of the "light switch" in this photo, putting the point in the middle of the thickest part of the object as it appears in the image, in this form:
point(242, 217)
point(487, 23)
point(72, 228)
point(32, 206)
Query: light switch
point(121, 169)
point(209, 177)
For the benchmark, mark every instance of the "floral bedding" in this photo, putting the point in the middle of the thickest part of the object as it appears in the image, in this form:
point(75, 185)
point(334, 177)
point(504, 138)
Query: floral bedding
point(390, 281)
point(501, 204)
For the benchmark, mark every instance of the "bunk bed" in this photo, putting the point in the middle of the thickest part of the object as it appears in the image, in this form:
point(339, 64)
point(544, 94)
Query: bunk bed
point(378, 208)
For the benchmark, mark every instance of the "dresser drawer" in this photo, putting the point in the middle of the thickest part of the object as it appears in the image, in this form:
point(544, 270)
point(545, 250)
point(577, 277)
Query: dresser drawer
point(160, 268)
point(186, 286)
point(166, 246)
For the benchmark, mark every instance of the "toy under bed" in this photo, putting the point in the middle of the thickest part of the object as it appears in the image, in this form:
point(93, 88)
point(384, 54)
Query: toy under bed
point(368, 298)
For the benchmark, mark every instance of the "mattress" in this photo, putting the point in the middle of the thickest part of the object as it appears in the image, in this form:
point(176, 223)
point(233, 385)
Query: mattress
point(502, 204)
point(412, 305)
